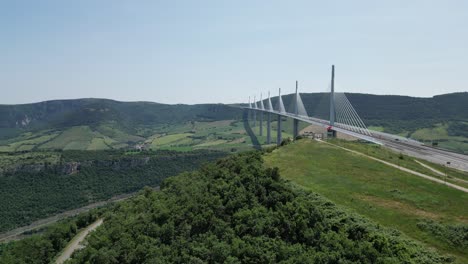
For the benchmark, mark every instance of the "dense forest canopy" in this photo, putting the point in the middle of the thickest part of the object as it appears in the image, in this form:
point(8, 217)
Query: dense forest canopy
point(28, 195)
point(236, 211)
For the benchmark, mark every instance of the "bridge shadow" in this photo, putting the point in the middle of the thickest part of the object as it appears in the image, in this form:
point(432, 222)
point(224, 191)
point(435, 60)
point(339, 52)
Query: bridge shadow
point(256, 144)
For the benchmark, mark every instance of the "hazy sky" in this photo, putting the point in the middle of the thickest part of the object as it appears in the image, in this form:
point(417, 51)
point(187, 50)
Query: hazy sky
point(223, 51)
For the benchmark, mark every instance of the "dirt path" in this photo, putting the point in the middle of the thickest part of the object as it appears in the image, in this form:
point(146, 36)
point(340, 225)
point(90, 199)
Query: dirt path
point(439, 172)
point(451, 185)
point(75, 242)
point(430, 168)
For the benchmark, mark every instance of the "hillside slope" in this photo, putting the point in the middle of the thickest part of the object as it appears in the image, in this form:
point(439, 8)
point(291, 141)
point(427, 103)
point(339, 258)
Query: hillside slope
point(237, 211)
point(93, 112)
point(429, 212)
point(93, 124)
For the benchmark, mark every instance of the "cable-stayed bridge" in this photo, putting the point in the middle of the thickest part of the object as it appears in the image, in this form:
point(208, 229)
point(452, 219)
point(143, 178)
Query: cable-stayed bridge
point(344, 119)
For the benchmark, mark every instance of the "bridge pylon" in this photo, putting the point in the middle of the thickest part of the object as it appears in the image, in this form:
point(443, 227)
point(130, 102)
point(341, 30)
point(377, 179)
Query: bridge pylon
point(261, 115)
point(279, 137)
point(255, 113)
point(296, 112)
point(330, 130)
point(268, 139)
point(248, 111)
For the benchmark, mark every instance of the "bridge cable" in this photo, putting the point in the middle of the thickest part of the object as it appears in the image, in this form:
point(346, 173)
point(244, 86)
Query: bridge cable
point(359, 118)
point(340, 112)
point(348, 118)
point(352, 115)
point(353, 119)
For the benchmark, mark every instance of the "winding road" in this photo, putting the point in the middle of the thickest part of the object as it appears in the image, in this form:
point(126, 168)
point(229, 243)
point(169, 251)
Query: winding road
point(75, 243)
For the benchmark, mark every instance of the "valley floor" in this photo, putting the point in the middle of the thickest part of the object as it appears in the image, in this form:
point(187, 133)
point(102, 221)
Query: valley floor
point(22, 232)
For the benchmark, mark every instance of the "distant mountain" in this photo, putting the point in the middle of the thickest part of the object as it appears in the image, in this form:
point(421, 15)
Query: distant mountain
point(129, 116)
point(103, 123)
point(92, 124)
point(373, 109)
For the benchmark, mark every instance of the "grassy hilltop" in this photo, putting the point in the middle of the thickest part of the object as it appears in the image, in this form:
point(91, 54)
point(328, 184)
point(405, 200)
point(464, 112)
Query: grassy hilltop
point(429, 212)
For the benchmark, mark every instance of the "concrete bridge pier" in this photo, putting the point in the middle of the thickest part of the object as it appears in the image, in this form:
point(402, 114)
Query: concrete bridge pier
point(296, 129)
point(249, 112)
point(278, 135)
point(261, 123)
point(268, 139)
point(254, 117)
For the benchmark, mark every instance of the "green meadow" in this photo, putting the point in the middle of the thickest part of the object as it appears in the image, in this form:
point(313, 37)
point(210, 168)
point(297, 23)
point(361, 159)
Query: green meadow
point(429, 212)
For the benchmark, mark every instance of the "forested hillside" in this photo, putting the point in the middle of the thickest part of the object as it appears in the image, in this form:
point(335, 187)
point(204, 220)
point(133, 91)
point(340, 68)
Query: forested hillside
point(236, 211)
point(126, 115)
point(98, 124)
point(40, 185)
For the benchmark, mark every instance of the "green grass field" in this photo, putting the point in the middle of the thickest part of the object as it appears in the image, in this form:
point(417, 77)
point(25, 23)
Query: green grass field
point(227, 135)
point(73, 138)
point(168, 139)
point(28, 141)
point(440, 135)
point(377, 128)
point(109, 131)
point(384, 194)
point(100, 143)
point(453, 175)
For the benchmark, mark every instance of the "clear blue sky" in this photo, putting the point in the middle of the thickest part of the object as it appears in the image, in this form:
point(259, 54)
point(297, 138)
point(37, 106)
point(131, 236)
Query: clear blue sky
point(224, 51)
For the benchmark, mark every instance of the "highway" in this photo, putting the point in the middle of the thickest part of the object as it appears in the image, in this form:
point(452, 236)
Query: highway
point(438, 156)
